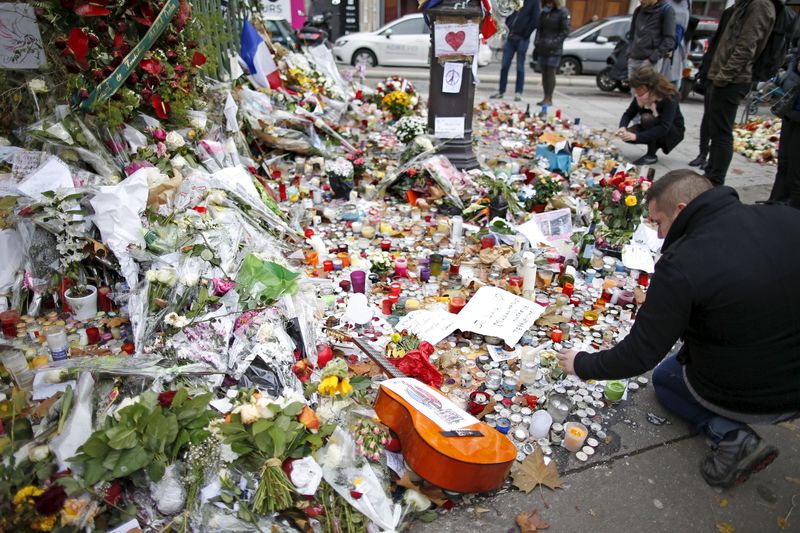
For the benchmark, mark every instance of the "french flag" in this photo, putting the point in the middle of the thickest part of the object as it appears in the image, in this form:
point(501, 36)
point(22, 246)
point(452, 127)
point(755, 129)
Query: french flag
point(258, 58)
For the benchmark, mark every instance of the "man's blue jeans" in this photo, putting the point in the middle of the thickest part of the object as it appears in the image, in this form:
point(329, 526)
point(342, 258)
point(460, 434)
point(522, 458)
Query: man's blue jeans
point(672, 392)
point(510, 48)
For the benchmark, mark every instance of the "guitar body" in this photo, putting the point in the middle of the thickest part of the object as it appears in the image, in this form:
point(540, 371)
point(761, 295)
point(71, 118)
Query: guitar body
point(459, 464)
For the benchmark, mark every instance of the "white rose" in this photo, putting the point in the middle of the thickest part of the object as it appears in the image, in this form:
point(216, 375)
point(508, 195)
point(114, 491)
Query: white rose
point(167, 276)
point(190, 279)
point(416, 500)
point(38, 453)
point(249, 413)
point(216, 197)
point(151, 276)
point(174, 140)
point(264, 411)
point(265, 332)
point(178, 162)
point(37, 85)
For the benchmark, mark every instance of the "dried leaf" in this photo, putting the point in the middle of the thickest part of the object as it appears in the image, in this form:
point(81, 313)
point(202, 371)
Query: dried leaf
point(532, 472)
point(531, 522)
point(434, 494)
point(723, 502)
point(783, 523)
point(481, 510)
point(795, 480)
point(591, 512)
point(725, 527)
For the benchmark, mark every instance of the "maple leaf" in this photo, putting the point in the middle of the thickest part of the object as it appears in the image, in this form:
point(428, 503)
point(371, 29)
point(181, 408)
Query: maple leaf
point(532, 472)
point(434, 494)
point(531, 522)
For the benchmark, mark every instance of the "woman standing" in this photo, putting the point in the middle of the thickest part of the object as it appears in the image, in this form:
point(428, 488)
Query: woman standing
point(655, 114)
point(554, 25)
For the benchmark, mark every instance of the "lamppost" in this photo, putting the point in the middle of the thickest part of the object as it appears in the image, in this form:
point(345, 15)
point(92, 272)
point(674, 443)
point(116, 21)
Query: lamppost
point(454, 43)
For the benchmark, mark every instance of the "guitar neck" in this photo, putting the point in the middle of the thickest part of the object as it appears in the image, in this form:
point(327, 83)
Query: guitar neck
point(388, 368)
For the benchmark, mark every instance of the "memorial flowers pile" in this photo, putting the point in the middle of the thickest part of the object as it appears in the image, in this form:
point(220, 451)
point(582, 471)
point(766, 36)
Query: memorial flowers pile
point(620, 203)
point(758, 139)
point(409, 128)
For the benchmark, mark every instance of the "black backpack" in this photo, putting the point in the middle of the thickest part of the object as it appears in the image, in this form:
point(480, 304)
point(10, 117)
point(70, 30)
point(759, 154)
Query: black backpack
point(773, 56)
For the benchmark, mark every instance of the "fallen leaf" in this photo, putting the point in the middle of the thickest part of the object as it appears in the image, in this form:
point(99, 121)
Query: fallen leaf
point(725, 527)
point(434, 494)
point(783, 523)
point(481, 510)
point(795, 480)
point(723, 502)
point(591, 512)
point(43, 407)
point(532, 472)
point(531, 522)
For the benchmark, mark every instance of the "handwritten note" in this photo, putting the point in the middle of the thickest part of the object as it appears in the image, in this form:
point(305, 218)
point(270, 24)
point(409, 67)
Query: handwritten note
point(20, 40)
point(448, 128)
point(430, 326)
point(54, 174)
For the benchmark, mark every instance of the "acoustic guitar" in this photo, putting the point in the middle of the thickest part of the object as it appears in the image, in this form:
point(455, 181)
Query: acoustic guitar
point(442, 443)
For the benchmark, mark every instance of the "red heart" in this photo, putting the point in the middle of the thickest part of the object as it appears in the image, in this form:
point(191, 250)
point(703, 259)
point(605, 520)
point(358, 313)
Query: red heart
point(455, 39)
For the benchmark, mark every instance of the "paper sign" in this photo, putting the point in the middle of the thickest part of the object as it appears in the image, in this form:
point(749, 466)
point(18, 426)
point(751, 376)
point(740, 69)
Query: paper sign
point(20, 41)
point(43, 389)
point(395, 462)
point(456, 39)
point(54, 174)
point(448, 128)
point(636, 256)
point(130, 525)
point(556, 224)
point(430, 403)
point(498, 354)
point(498, 313)
point(430, 326)
point(451, 81)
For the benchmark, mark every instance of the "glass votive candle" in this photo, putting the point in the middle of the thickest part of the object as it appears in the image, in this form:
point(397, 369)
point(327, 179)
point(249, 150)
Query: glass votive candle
point(567, 289)
point(395, 288)
point(478, 400)
point(401, 267)
point(436, 264)
point(387, 305)
point(337, 264)
point(327, 266)
point(367, 231)
point(510, 386)
point(312, 258)
point(344, 257)
point(345, 285)
point(542, 299)
point(590, 318)
point(358, 278)
point(456, 304)
point(424, 274)
point(556, 335)
point(386, 245)
point(574, 436)
point(545, 277)
point(527, 374)
point(494, 378)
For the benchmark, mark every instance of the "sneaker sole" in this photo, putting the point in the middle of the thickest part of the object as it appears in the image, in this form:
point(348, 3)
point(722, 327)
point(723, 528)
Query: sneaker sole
point(764, 462)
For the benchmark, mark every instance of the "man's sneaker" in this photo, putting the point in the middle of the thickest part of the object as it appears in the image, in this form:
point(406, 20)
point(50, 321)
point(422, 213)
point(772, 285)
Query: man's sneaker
point(646, 160)
point(518, 97)
point(736, 458)
point(496, 96)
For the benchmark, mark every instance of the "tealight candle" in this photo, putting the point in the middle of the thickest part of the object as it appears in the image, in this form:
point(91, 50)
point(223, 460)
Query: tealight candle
point(368, 231)
point(574, 436)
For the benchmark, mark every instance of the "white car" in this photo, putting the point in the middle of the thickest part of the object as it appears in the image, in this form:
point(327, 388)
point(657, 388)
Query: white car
point(404, 42)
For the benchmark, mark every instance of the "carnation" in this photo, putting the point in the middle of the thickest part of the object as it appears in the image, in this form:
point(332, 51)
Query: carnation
point(408, 128)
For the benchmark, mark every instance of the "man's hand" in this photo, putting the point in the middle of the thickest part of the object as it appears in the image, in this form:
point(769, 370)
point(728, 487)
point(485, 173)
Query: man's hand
point(566, 360)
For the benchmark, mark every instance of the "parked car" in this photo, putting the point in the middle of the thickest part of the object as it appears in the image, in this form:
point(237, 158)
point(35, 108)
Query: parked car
point(280, 31)
point(404, 42)
point(587, 48)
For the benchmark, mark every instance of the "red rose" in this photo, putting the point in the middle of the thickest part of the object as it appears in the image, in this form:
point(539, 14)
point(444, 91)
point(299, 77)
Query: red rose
point(166, 397)
point(50, 501)
point(113, 493)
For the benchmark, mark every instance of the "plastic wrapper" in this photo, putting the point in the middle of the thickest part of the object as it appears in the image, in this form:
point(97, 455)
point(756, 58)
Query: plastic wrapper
point(341, 468)
point(78, 427)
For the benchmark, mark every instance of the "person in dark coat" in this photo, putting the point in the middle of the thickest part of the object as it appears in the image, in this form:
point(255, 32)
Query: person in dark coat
point(725, 284)
point(703, 86)
point(652, 35)
point(554, 26)
point(656, 114)
point(520, 26)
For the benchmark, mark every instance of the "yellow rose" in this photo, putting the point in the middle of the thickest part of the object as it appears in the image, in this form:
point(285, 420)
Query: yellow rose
point(329, 385)
point(249, 413)
point(27, 495)
point(344, 387)
point(631, 200)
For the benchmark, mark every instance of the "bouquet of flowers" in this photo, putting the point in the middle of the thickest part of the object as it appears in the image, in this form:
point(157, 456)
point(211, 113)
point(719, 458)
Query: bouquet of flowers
point(370, 435)
point(340, 173)
point(409, 128)
point(620, 201)
point(401, 343)
point(265, 432)
point(381, 262)
point(397, 103)
point(544, 189)
point(396, 83)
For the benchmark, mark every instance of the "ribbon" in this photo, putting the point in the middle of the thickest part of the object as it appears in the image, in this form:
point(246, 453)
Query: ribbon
point(111, 84)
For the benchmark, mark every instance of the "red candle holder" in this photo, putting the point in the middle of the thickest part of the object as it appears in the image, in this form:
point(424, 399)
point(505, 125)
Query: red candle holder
point(93, 334)
point(457, 303)
point(345, 285)
point(556, 335)
point(387, 306)
point(327, 265)
point(644, 279)
point(395, 288)
point(478, 400)
point(567, 289)
point(386, 245)
point(282, 191)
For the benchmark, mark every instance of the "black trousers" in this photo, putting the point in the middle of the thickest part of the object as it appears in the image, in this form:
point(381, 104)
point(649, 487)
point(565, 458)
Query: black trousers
point(723, 105)
point(647, 122)
point(786, 188)
point(705, 139)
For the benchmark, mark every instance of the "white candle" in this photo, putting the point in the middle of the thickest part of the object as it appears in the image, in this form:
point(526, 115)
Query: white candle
point(528, 275)
point(574, 436)
point(456, 229)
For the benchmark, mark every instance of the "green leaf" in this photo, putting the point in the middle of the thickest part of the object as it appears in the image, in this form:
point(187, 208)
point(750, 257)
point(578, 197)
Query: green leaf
point(121, 438)
point(130, 461)
point(94, 447)
point(283, 422)
point(180, 441)
point(93, 472)
point(111, 459)
point(261, 425)
point(293, 409)
point(314, 440)
point(264, 443)
point(278, 441)
point(180, 396)
point(156, 469)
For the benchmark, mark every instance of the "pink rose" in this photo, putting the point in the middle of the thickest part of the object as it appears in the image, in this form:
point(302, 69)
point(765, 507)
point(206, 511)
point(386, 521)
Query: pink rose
point(616, 196)
point(159, 135)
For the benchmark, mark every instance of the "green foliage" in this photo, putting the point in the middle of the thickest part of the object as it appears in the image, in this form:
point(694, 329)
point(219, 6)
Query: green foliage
point(262, 282)
point(146, 437)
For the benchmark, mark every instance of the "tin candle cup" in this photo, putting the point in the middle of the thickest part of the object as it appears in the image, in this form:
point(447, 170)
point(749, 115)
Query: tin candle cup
point(575, 435)
point(502, 425)
point(614, 391)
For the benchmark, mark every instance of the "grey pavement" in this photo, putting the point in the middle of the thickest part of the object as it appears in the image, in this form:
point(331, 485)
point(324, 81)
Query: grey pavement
point(645, 477)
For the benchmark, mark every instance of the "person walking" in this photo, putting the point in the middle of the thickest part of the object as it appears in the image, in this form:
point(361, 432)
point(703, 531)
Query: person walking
point(520, 26)
point(554, 26)
point(731, 76)
point(672, 66)
point(736, 368)
point(655, 114)
point(703, 86)
point(652, 35)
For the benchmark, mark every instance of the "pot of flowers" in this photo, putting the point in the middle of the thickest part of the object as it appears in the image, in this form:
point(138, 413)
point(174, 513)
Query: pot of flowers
point(544, 189)
point(82, 301)
point(340, 177)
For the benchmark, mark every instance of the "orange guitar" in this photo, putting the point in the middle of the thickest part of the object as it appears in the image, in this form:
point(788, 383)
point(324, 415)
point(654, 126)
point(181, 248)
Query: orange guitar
point(441, 442)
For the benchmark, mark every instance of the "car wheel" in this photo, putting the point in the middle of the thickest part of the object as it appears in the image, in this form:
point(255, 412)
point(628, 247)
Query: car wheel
point(364, 57)
point(604, 81)
point(569, 67)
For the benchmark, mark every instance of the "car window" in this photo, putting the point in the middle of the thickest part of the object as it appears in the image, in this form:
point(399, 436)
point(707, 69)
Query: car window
point(583, 30)
point(615, 30)
point(415, 26)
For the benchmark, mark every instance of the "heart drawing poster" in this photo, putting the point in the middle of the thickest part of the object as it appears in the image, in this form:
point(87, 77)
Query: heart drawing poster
point(456, 39)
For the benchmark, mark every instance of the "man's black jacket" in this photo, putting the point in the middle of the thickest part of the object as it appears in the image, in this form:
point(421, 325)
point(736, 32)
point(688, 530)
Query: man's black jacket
point(728, 283)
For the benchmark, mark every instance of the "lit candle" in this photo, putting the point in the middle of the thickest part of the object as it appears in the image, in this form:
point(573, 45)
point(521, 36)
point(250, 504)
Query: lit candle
point(368, 231)
point(574, 436)
point(412, 304)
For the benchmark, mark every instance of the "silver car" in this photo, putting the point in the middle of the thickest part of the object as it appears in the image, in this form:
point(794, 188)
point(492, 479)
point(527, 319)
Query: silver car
point(587, 48)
